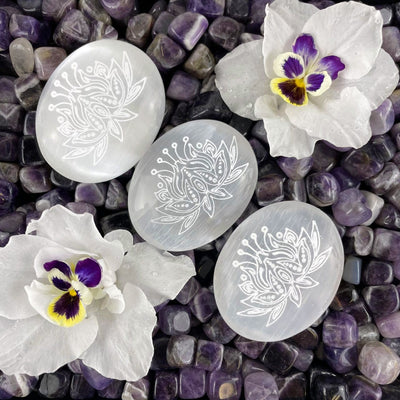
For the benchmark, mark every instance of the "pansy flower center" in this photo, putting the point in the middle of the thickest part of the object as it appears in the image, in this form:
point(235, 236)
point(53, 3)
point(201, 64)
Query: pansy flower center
point(74, 284)
point(301, 73)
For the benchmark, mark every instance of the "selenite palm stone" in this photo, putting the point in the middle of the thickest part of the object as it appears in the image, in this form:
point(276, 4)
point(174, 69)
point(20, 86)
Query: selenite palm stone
point(192, 185)
point(278, 271)
point(100, 111)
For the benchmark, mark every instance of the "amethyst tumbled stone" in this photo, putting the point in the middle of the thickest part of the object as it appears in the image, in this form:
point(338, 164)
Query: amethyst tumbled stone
point(209, 355)
point(209, 8)
point(322, 188)
point(137, 390)
point(250, 348)
point(218, 330)
point(192, 383)
point(382, 299)
point(279, 357)
point(225, 32)
point(341, 360)
point(181, 350)
point(183, 87)
point(389, 325)
point(55, 385)
point(378, 273)
point(293, 168)
point(260, 385)
point(203, 305)
point(165, 385)
point(340, 330)
point(386, 244)
point(174, 320)
point(5, 37)
point(361, 388)
point(223, 385)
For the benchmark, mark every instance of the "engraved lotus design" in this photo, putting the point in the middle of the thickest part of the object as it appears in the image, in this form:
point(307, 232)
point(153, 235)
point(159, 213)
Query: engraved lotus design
point(193, 178)
point(93, 104)
point(276, 269)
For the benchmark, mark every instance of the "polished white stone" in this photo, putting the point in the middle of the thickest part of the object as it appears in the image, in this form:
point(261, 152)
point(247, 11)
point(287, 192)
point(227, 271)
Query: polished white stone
point(100, 111)
point(278, 271)
point(192, 185)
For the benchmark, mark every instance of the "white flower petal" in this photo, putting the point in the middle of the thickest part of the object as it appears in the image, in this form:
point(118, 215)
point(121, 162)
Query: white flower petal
point(124, 348)
point(343, 121)
point(16, 271)
point(240, 78)
point(77, 232)
point(33, 346)
point(267, 107)
point(378, 84)
point(158, 273)
point(114, 301)
point(123, 236)
point(351, 31)
point(284, 20)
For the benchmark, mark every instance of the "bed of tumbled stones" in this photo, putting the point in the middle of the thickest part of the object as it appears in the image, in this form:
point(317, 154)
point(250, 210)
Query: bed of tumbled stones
point(352, 352)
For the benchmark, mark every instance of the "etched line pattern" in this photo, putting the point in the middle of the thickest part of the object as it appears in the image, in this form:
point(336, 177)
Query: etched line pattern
point(93, 104)
point(275, 269)
point(192, 178)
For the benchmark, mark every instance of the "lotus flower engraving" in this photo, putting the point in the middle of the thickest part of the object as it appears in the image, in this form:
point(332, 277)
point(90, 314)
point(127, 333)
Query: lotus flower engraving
point(193, 178)
point(93, 104)
point(277, 268)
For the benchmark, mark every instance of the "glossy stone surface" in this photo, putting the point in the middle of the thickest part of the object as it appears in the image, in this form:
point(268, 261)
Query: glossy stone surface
point(279, 357)
point(341, 360)
point(21, 54)
point(26, 27)
point(183, 87)
point(80, 388)
point(225, 32)
point(389, 325)
point(375, 203)
point(232, 360)
point(11, 117)
point(269, 189)
point(95, 379)
point(174, 320)
point(250, 348)
point(293, 385)
point(5, 37)
point(344, 179)
point(203, 305)
point(187, 293)
point(165, 385)
point(322, 188)
point(340, 330)
point(382, 119)
point(181, 350)
point(361, 388)
point(136, 104)
point(386, 244)
point(379, 363)
point(359, 240)
point(295, 169)
point(209, 355)
point(162, 23)
point(218, 331)
point(35, 179)
point(352, 270)
point(7, 93)
point(381, 299)
point(112, 391)
point(260, 385)
point(138, 390)
point(222, 385)
point(391, 41)
point(219, 188)
point(139, 29)
point(200, 63)
point(55, 385)
point(28, 90)
point(327, 387)
point(118, 9)
point(9, 146)
point(378, 273)
point(285, 223)
point(47, 60)
point(389, 217)
point(209, 104)
point(192, 383)
point(209, 8)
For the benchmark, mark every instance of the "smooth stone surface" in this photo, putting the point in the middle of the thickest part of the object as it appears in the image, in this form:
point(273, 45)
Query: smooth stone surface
point(138, 390)
point(203, 305)
point(359, 239)
point(269, 189)
point(322, 188)
point(382, 119)
point(9, 146)
point(209, 8)
point(135, 100)
point(21, 54)
point(279, 357)
point(162, 23)
point(326, 387)
point(187, 293)
point(352, 270)
point(47, 59)
point(389, 217)
point(174, 320)
point(118, 9)
point(387, 179)
point(5, 37)
point(378, 273)
point(292, 385)
point(192, 383)
point(361, 388)
point(312, 281)
point(340, 330)
point(181, 350)
point(391, 41)
point(344, 179)
point(222, 385)
point(139, 29)
point(386, 244)
point(250, 348)
point(375, 203)
point(218, 331)
point(93, 10)
point(341, 360)
point(7, 92)
point(209, 105)
point(11, 117)
point(218, 170)
point(260, 385)
point(24, 26)
point(28, 90)
point(183, 87)
point(200, 63)
point(225, 32)
point(165, 385)
point(35, 179)
point(389, 325)
point(209, 355)
point(381, 299)
point(232, 360)
point(55, 385)
point(293, 168)
point(379, 363)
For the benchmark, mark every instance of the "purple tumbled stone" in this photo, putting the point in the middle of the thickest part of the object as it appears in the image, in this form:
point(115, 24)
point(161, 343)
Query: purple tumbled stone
point(238, 9)
point(81, 208)
point(19, 385)
point(174, 320)
point(341, 360)
point(269, 189)
point(389, 217)
point(117, 196)
point(47, 60)
point(279, 357)
point(389, 325)
point(7, 91)
point(139, 29)
point(93, 10)
point(93, 193)
point(209, 8)
point(359, 311)
point(232, 360)
point(386, 244)
point(183, 87)
point(295, 190)
point(28, 89)
point(80, 388)
point(53, 197)
point(55, 385)
point(247, 37)
point(393, 196)
point(385, 180)
point(225, 32)
point(11, 117)
point(192, 383)
point(344, 179)
point(8, 195)
point(250, 366)
point(382, 119)
point(200, 63)
point(162, 23)
point(384, 147)
point(56, 9)
point(176, 7)
point(94, 378)
point(260, 385)
point(307, 339)
point(256, 15)
point(378, 273)
point(292, 386)
point(35, 179)
point(9, 143)
point(112, 391)
point(203, 305)
point(118, 9)
point(324, 157)
point(138, 390)
point(304, 359)
point(209, 355)
point(361, 388)
point(181, 350)
point(187, 29)
point(350, 208)
point(339, 330)
point(382, 299)
point(218, 331)
point(322, 188)
point(346, 295)
point(250, 348)
point(293, 168)
point(165, 385)
point(165, 53)
point(29, 124)
point(209, 105)
point(100, 30)
point(187, 293)
point(26, 27)
point(391, 41)
point(5, 37)
point(359, 240)
point(223, 385)
point(72, 31)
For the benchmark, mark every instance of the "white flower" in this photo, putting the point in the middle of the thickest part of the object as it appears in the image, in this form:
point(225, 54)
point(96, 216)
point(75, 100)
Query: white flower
point(317, 74)
point(68, 293)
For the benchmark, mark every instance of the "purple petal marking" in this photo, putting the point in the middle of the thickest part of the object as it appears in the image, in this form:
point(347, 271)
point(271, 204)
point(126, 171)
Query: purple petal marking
point(67, 305)
point(294, 93)
point(314, 82)
point(60, 284)
point(88, 272)
point(61, 266)
point(304, 47)
point(292, 68)
point(332, 65)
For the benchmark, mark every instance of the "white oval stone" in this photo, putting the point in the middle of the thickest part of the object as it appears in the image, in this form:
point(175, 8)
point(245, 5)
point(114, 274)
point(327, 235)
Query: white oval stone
point(278, 271)
point(100, 111)
point(192, 185)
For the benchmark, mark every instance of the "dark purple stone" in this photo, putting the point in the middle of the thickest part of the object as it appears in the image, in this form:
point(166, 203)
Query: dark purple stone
point(293, 168)
point(223, 385)
point(344, 179)
point(192, 383)
point(391, 41)
point(393, 196)
point(292, 386)
point(7, 91)
point(385, 180)
point(322, 188)
point(162, 23)
point(382, 119)
point(112, 391)
point(361, 388)
point(359, 239)
point(174, 320)
point(386, 245)
point(203, 305)
point(95, 379)
point(389, 217)
point(165, 53)
point(209, 8)
point(29, 153)
point(157, 8)
point(351, 208)
point(378, 273)
point(340, 330)
point(139, 29)
point(117, 196)
point(250, 366)
point(279, 357)
point(209, 355)
point(217, 330)
point(56, 9)
point(47, 59)
point(187, 29)
point(55, 385)
point(8, 195)
point(250, 348)
point(29, 124)
point(159, 361)
point(119, 9)
point(28, 90)
point(72, 31)
point(362, 163)
point(295, 190)
point(341, 360)
point(181, 350)
point(119, 220)
point(11, 117)
point(260, 385)
point(324, 157)
point(346, 295)
point(304, 359)
point(81, 208)
point(93, 10)
point(165, 385)
point(359, 311)
point(225, 32)
point(176, 7)
point(383, 147)
point(269, 189)
point(183, 87)
point(93, 193)
point(9, 146)
point(62, 182)
point(187, 293)
point(232, 360)
point(382, 299)
point(237, 9)
point(209, 105)
point(20, 385)
point(326, 387)
point(5, 37)
point(35, 179)
point(26, 27)
point(80, 388)
point(307, 339)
